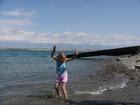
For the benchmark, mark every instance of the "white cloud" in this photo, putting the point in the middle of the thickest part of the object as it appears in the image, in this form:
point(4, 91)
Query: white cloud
point(15, 22)
point(16, 35)
point(19, 12)
point(22, 32)
point(70, 38)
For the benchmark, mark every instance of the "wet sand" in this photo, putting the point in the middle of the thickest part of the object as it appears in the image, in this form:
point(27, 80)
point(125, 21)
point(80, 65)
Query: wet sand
point(41, 94)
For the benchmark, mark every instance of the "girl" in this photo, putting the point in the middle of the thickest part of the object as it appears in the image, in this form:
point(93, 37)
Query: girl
point(62, 75)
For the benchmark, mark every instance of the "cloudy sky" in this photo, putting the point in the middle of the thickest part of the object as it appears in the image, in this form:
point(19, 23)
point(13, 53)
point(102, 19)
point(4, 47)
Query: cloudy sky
point(69, 23)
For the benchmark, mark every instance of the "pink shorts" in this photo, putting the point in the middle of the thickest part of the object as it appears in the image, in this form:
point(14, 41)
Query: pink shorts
point(62, 78)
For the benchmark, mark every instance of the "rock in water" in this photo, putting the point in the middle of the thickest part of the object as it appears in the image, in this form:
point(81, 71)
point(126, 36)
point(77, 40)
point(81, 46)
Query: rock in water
point(51, 95)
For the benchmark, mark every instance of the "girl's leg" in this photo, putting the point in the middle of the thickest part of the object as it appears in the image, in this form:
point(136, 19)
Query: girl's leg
point(64, 90)
point(58, 88)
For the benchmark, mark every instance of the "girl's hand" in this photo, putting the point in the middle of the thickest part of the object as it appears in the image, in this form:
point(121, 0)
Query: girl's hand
point(54, 48)
point(76, 51)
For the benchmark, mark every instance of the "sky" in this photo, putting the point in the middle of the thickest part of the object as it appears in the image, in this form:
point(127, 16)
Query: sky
point(68, 24)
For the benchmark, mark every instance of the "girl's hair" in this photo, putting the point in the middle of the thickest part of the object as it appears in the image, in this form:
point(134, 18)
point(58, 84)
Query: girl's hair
point(61, 57)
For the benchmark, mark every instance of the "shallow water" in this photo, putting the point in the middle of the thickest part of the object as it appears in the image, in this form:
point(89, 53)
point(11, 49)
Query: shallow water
point(25, 67)
point(22, 72)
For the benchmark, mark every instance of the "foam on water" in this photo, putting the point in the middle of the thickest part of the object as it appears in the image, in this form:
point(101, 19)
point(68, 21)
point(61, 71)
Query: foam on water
point(102, 89)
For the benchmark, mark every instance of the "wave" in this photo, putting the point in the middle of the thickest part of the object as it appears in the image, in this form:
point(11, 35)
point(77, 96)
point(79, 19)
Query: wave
point(102, 89)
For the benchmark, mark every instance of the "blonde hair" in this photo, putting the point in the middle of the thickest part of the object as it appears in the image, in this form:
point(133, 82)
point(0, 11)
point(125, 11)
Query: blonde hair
point(61, 57)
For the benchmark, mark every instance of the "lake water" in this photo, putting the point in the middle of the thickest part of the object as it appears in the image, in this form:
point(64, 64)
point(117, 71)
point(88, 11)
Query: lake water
point(25, 67)
point(20, 69)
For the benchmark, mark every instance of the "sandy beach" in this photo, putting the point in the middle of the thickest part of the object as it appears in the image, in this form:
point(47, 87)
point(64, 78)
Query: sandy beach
point(114, 70)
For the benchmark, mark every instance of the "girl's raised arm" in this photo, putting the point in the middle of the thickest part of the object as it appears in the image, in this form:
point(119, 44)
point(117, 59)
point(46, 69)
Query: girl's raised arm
point(52, 54)
point(76, 53)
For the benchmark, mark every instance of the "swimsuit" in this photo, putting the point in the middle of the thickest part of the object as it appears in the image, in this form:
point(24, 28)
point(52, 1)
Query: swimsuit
point(62, 75)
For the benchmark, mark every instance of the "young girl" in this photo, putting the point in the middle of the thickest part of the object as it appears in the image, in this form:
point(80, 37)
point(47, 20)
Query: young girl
point(62, 75)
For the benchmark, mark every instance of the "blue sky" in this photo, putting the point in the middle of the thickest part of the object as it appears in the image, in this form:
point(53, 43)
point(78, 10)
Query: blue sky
point(38, 23)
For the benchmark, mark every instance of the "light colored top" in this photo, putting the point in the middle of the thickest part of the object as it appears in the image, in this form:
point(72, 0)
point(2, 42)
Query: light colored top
point(61, 67)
